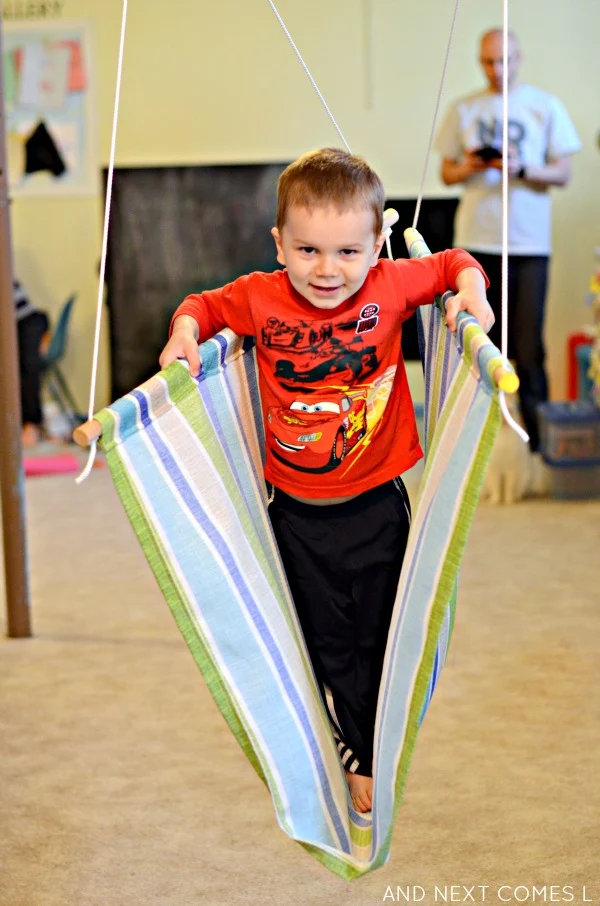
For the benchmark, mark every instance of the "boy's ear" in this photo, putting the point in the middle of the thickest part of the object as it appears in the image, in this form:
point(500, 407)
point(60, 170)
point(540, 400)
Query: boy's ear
point(277, 238)
point(377, 250)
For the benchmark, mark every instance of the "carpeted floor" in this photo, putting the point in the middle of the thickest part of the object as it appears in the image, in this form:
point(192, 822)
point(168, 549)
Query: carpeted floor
point(121, 784)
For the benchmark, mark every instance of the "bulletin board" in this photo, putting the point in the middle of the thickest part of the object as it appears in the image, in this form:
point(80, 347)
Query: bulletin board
point(49, 115)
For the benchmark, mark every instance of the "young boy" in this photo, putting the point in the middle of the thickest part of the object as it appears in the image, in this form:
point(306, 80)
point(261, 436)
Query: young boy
point(339, 418)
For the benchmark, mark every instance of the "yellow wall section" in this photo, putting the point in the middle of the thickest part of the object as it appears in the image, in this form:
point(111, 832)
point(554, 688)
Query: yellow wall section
point(218, 82)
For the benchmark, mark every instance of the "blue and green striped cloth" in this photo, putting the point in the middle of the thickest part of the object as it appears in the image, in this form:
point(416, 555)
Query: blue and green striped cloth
point(186, 456)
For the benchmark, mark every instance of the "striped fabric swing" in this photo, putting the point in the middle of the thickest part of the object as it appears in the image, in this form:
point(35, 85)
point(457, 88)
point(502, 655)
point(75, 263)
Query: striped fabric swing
point(186, 456)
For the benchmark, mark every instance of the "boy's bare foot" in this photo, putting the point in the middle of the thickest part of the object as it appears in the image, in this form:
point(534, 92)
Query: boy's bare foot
point(361, 791)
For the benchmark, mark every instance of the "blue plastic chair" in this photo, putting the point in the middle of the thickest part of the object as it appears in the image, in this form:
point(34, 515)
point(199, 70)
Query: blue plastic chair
point(52, 375)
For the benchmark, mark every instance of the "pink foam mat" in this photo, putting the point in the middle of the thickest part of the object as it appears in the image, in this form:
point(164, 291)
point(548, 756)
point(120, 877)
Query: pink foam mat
point(58, 464)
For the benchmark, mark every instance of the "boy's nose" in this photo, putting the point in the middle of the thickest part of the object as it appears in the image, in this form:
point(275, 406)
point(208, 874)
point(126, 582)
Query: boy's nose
point(326, 266)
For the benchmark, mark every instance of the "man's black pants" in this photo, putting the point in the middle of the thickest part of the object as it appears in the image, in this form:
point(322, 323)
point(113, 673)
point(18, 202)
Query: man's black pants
point(527, 283)
point(343, 565)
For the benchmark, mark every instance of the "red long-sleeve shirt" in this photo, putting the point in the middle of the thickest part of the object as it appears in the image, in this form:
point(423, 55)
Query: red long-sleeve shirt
point(337, 409)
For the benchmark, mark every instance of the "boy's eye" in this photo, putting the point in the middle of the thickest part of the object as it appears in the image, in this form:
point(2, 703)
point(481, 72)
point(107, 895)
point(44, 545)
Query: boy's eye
point(307, 249)
point(348, 252)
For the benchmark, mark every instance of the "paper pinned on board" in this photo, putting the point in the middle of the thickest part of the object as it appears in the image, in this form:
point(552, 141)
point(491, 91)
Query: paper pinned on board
point(44, 75)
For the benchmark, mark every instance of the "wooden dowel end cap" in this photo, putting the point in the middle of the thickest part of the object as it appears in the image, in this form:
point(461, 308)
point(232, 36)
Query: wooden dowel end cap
point(88, 432)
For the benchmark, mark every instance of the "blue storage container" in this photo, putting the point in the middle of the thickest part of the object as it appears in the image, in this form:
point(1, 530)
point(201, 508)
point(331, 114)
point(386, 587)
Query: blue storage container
point(570, 445)
point(570, 433)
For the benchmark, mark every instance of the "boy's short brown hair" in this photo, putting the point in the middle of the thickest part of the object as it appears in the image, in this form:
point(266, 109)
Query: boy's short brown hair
point(330, 176)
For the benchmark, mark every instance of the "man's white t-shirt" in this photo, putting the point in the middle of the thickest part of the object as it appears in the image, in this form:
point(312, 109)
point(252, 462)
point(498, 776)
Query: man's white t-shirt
point(540, 129)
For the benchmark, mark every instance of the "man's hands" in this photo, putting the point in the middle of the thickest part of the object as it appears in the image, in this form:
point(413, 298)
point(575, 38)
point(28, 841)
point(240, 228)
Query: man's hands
point(473, 163)
point(513, 161)
point(183, 344)
point(459, 171)
point(471, 298)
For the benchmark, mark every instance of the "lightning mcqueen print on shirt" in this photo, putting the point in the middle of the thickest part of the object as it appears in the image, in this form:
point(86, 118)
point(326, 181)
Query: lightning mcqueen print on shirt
point(315, 436)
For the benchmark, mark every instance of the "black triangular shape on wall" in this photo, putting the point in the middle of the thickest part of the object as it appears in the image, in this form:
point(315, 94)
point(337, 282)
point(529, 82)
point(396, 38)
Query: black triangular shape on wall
point(41, 152)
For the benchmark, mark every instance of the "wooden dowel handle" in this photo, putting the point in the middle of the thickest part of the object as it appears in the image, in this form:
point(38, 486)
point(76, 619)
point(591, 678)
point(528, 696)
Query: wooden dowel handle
point(86, 433)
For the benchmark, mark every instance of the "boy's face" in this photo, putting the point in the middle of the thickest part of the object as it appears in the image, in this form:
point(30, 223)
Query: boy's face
point(327, 253)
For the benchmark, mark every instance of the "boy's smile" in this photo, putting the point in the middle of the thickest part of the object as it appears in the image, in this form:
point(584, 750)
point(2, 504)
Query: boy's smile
point(327, 253)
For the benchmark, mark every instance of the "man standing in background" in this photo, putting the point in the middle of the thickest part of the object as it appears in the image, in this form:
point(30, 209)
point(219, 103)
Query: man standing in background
point(541, 138)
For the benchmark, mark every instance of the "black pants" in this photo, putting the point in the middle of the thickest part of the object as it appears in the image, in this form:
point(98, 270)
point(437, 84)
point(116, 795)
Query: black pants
point(527, 283)
point(343, 565)
point(30, 331)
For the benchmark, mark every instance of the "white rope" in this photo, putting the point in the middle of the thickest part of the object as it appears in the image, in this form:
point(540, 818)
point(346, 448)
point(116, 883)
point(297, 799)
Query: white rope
point(504, 262)
point(109, 182)
point(388, 244)
point(504, 286)
point(509, 419)
point(435, 116)
point(369, 52)
point(308, 73)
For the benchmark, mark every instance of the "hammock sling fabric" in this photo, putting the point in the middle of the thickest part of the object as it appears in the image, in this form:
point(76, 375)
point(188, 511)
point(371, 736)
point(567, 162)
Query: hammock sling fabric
point(186, 455)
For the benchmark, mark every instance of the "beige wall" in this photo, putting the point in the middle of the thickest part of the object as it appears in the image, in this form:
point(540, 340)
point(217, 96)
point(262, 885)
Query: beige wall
point(218, 82)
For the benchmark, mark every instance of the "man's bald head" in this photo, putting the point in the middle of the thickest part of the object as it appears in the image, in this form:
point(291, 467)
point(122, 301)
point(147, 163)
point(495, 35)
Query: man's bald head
point(491, 58)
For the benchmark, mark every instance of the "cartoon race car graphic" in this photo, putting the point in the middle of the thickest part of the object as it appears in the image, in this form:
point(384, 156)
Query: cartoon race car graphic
point(294, 334)
point(315, 436)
